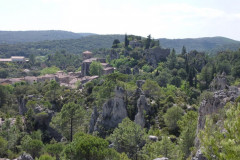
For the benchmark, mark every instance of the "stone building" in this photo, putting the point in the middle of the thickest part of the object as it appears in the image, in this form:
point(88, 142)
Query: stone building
point(14, 59)
point(135, 44)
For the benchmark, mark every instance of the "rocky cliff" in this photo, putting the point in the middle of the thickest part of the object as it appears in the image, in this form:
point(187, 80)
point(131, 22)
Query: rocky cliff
point(214, 103)
point(113, 112)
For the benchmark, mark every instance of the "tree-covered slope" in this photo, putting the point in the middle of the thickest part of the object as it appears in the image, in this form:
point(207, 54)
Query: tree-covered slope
point(75, 46)
point(11, 37)
point(211, 45)
point(207, 44)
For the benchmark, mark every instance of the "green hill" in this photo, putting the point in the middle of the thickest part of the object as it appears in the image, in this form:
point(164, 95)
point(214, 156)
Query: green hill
point(207, 44)
point(75, 46)
point(11, 37)
point(210, 45)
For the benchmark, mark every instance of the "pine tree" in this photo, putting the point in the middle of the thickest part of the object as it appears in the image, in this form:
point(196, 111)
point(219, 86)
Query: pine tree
point(126, 42)
point(184, 51)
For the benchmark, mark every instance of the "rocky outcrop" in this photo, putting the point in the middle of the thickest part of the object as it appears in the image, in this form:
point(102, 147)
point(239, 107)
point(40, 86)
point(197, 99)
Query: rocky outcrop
point(199, 156)
point(93, 120)
point(114, 55)
point(44, 122)
point(139, 83)
point(221, 94)
point(215, 103)
point(22, 101)
point(25, 156)
point(155, 55)
point(153, 138)
point(163, 158)
point(219, 82)
point(143, 110)
point(113, 112)
point(135, 70)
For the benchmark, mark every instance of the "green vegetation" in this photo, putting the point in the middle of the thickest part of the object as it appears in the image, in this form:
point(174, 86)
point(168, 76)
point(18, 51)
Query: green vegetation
point(100, 119)
point(96, 68)
point(218, 144)
point(49, 70)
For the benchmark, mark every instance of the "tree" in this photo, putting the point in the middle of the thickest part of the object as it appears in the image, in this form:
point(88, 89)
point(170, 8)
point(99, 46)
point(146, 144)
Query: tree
point(3, 95)
point(171, 117)
point(68, 119)
point(46, 157)
point(172, 59)
point(236, 70)
point(129, 137)
point(217, 144)
point(54, 148)
point(3, 147)
point(151, 88)
point(32, 59)
point(96, 68)
point(184, 51)
point(115, 43)
point(188, 126)
point(148, 42)
point(3, 73)
point(88, 147)
point(126, 41)
point(32, 146)
point(163, 148)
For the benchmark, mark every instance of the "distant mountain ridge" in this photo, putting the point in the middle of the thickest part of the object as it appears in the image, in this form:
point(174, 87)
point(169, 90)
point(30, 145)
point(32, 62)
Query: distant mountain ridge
point(45, 42)
point(206, 44)
point(12, 37)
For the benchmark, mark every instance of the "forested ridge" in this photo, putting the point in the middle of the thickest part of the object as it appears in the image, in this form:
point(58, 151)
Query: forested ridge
point(47, 42)
point(158, 103)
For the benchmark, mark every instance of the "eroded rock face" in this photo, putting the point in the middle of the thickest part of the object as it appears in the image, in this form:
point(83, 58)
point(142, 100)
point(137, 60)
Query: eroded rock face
point(143, 110)
point(157, 54)
point(199, 156)
point(45, 122)
point(22, 105)
point(113, 112)
point(163, 158)
point(215, 103)
point(219, 82)
point(25, 156)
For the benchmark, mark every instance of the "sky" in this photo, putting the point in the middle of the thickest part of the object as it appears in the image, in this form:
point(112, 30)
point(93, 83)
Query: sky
point(160, 18)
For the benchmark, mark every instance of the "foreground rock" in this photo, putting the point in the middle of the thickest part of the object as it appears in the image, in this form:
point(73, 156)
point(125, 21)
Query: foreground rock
point(199, 156)
point(223, 93)
point(25, 156)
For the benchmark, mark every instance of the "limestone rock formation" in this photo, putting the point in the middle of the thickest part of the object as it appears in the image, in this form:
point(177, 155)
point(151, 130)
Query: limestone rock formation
point(163, 158)
point(219, 82)
point(22, 105)
point(113, 112)
point(214, 103)
point(45, 123)
point(199, 156)
point(135, 70)
point(25, 156)
point(156, 54)
point(140, 83)
point(143, 110)
point(93, 120)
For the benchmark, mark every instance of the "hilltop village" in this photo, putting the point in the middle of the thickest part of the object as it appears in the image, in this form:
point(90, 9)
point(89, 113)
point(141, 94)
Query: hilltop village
point(69, 79)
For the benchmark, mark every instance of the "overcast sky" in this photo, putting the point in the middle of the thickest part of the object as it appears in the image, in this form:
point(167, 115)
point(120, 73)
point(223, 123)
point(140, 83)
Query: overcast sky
point(160, 18)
